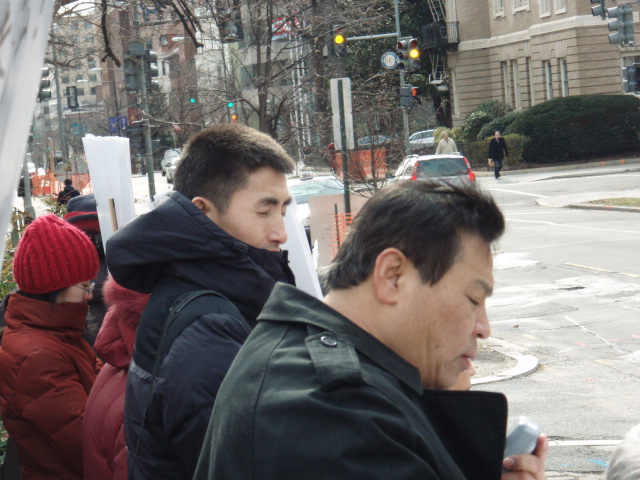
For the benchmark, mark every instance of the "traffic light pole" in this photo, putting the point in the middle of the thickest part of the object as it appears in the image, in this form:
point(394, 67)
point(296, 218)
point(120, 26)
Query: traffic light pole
point(147, 131)
point(405, 114)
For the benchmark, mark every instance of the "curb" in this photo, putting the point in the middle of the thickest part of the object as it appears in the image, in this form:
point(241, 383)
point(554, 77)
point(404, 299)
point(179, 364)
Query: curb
point(559, 168)
point(526, 365)
point(611, 208)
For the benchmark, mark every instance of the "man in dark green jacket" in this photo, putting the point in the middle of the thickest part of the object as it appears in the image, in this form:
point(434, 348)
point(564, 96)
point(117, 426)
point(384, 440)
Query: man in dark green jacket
point(356, 386)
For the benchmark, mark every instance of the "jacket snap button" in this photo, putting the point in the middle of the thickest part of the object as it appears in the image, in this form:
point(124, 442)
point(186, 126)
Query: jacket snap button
point(328, 341)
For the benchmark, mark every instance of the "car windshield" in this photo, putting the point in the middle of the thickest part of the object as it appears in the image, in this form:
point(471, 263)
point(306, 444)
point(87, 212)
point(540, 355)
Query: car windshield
point(313, 188)
point(441, 167)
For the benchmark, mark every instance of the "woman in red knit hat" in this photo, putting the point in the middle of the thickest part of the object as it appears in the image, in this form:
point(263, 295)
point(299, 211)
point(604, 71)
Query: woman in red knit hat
point(46, 368)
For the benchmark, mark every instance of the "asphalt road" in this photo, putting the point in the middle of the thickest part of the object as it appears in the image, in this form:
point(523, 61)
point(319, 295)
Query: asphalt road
point(568, 292)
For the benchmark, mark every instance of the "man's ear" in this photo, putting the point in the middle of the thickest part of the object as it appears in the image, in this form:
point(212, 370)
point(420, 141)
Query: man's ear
point(387, 272)
point(206, 206)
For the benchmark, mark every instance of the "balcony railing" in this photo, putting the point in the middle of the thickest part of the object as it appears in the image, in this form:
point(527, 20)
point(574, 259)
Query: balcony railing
point(441, 36)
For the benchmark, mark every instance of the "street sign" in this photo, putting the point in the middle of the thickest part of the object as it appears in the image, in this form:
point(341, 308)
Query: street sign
point(341, 108)
point(113, 124)
point(124, 122)
point(389, 60)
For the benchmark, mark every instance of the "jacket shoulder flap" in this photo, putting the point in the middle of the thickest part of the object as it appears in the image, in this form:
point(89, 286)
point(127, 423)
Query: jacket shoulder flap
point(335, 360)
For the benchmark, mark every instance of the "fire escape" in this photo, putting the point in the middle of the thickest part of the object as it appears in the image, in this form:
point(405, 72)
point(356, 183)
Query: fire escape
point(440, 37)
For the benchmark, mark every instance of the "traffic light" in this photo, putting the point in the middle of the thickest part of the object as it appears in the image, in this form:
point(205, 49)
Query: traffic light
point(231, 104)
point(72, 97)
point(150, 68)
point(415, 94)
point(338, 40)
point(408, 54)
point(131, 74)
point(630, 78)
point(234, 117)
point(406, 96)
point(623, 25)
point(45, 84)
point(599, 8)
point(193, 98)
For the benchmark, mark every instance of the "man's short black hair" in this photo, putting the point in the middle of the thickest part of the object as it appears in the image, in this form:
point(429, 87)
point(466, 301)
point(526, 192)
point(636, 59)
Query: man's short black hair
point(422, 219)
point(216, 162)
point(68, 181)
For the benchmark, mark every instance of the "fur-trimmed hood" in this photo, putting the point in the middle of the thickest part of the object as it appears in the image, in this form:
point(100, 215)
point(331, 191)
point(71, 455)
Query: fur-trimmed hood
point(118, 333)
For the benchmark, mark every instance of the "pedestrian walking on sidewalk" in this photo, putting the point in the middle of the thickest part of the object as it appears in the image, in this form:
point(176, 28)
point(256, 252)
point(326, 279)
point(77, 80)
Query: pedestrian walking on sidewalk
point(497, 153)
point(446, 145)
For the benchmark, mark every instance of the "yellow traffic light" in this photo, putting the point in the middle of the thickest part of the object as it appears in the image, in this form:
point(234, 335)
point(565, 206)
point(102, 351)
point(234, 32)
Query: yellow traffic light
point(339, 39)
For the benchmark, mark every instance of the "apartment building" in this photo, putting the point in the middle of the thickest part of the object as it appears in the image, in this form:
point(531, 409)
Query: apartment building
point(524, 52)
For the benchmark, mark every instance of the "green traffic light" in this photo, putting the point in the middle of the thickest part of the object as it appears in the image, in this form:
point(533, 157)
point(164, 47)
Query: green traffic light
point(230, 104)
point(193, 100)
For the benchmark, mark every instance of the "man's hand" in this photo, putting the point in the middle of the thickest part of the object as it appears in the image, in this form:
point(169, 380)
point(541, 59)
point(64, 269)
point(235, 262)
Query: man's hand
point(528, 467)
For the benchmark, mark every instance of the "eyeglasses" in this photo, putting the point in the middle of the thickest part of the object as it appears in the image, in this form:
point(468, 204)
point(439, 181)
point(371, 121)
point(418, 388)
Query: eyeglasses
point(92, 285)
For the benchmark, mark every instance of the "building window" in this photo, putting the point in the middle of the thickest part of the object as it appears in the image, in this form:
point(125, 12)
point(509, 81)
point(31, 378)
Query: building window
point(164, 40)
point(545, 8)
point(74, 25)
point(89, 38)
point(506, 82)
point(78, 66)
point(93, 77)
point(529, 66)
point(65, 79)
point(519, 5)
point(454, 93)
point(92, 64)
point(88, 25)
point(80, 91)
point(515, 74)
point(564, 77)
point(548, 78)
point(79, 78)
point(93, 90)
point(46, 110)
point(77, 51)
point(165, 69)
point(499, 4)
point(561, 6)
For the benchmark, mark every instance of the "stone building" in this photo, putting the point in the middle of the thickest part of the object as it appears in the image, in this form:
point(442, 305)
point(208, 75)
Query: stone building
point(524, 52)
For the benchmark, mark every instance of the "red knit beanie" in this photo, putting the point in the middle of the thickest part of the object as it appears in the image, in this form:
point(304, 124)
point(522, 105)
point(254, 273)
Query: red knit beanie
point(53, 255)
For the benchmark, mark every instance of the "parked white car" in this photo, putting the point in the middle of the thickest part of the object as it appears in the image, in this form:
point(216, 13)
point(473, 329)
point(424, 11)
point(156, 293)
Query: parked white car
point(422, 139)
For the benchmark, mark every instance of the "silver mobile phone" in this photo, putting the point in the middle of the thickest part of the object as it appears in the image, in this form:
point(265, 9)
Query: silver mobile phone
point(522, 437)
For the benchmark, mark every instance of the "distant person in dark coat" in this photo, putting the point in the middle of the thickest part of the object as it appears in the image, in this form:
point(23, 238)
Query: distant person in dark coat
point(497, 153)
point(219, 230)
point(82, 211)
point(68, 192)
point(46, 368)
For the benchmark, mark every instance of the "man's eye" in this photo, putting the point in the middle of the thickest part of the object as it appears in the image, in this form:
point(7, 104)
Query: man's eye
point(475, 304)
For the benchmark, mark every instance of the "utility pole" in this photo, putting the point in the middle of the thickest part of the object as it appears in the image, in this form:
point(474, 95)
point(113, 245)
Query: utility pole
point(147, 129)
point(63, 133)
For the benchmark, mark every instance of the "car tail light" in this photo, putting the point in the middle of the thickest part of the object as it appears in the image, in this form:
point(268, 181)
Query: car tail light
point(472, 176)
point(414, 171)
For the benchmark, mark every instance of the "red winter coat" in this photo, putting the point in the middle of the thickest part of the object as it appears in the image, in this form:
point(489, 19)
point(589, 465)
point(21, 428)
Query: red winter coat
point(105, 452)
point(46, 372)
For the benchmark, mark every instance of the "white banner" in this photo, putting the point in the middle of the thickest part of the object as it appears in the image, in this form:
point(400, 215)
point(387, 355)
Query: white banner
point(24, 31)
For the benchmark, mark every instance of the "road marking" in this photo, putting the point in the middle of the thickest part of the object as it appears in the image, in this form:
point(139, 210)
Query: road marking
point(633, 275)
point(573, 226)
point(584, 443)
point(626, 354)
point(518, 193)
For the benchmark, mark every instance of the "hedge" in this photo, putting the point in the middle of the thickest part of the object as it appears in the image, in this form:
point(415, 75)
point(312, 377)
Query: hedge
point(500, 124)
point(579, 127)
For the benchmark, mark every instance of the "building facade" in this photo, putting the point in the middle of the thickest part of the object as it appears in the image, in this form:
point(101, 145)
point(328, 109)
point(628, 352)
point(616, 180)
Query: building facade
point(524, 52)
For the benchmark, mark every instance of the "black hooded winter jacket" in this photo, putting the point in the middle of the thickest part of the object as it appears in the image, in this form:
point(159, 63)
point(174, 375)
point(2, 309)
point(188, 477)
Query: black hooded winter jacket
point(167, 252)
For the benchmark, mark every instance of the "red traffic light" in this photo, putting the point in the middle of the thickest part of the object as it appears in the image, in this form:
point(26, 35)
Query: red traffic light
point(415, 91)
point(413, 43)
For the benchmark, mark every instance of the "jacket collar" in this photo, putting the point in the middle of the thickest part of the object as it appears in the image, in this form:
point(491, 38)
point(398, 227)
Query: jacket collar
point(289, 304)
point(68, 318)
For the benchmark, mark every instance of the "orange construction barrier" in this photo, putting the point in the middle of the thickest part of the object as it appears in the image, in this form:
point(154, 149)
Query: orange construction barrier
point(364, 164)
point(341, 223)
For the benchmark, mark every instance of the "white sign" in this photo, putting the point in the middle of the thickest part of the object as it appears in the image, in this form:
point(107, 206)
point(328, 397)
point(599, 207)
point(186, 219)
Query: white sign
point(24, 31)
point(389, 60)
point(341, 93)
point(345, 84)
point(110, 169)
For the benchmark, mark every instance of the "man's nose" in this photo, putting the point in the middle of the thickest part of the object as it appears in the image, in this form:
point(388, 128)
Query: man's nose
point(278, 232)
point(483, 328)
